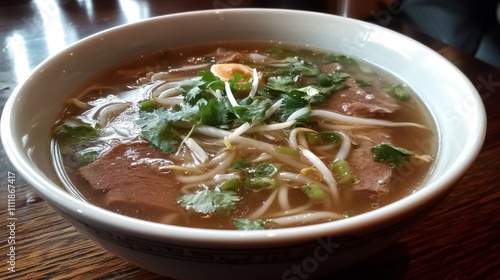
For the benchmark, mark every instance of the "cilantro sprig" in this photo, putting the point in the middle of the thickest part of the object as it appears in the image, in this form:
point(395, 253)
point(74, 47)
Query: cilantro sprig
point(207, 201)
point(390, 154)
point(247, 224)
point(73, 131)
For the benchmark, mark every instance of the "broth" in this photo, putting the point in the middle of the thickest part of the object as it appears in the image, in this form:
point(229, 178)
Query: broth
point(255, 135)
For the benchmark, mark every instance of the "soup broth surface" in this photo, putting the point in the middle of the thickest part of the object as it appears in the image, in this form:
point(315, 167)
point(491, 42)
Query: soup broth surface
point(243, 135)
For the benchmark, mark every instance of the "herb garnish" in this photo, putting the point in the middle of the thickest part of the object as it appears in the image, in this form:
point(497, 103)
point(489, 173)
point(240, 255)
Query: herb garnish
point(207, 201)
point(391, 154)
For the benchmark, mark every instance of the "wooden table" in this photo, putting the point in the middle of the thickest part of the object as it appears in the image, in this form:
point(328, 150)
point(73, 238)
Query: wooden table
point(458, 240)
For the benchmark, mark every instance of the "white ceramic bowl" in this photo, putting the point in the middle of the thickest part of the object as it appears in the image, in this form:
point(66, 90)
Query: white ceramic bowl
point(188, 253)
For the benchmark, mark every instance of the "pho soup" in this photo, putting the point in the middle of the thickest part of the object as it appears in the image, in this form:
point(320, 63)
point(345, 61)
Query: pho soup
point(243, 135)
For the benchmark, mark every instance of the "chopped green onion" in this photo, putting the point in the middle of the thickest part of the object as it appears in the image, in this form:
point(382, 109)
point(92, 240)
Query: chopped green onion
point(288, 151)
point(231, 184)
point(314, 192)
point(260, 183)
point(365, 69)
point(148, 105)
point(349, 214)
point(343, 171)
point(363, 83)
point(241, 164)
point(324, 137)
point(401, 94)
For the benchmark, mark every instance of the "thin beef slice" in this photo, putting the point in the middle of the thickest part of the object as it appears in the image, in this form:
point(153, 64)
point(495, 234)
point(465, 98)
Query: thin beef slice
point(129, 172)
point(374, 177)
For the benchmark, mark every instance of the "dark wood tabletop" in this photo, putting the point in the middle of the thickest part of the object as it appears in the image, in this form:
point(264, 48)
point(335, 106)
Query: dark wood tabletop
point(459, 239)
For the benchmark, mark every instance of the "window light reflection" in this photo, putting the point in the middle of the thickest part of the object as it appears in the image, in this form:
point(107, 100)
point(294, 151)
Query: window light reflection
point(54, 32)
point(17, 51)
point(134, 12)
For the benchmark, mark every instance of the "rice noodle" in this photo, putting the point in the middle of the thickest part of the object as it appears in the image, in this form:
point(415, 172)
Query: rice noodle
point(210, 174)
point(302, 141)
point(306, 218)
point(270, 127)
point(189, 68)
point(291, 211)
point(230, 95)
point(236, 133)
point(301, 179)
point(262, 157)
point(217, 179)
point(220, 133)
point(165, 90)
point(78, 103)
point(255, 83)
point(106, 113)
point(345, 147)
point(260, 212)
point(198, 152)
point(283, 198)
point(358, 120)
point(297, 114)
point(293, 136)
point(273, 108)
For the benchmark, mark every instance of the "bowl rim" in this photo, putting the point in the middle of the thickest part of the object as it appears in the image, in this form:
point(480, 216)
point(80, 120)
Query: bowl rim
point(269, 237)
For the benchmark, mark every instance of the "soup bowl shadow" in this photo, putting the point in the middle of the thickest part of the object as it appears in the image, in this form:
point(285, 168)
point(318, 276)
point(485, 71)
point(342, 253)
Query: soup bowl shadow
point(189, 253)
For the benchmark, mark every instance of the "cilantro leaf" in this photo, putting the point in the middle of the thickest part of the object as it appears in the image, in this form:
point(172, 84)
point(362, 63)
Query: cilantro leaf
point(281, 83)
point(298, 66)
point(157, 129)
point(247, 224)
point(206, 201)
point(292, 102)
point(217, 113)
point(254, 111)
point(239, 83)
point(342, 59)
point(390, 154)
point(266, 169)
point(398, 91)
point(331, 79)
point(73, 131)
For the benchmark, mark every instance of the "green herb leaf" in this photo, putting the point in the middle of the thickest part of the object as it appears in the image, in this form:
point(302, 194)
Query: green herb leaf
point(206, 201)
point(254, 111)
point(391, 154)
point(298, 66)
point(342, 59)
point(292, 102)
point(157, 129)
point(398, 91)
point(216, 112)
point(281, 83)
point(247, 224)
point(239, 83)
point(363, 83)
point(73, 131)
point(330, 79)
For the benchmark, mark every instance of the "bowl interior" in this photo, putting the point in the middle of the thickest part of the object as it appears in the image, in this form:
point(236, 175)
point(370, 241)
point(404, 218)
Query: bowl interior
point(450, 97)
